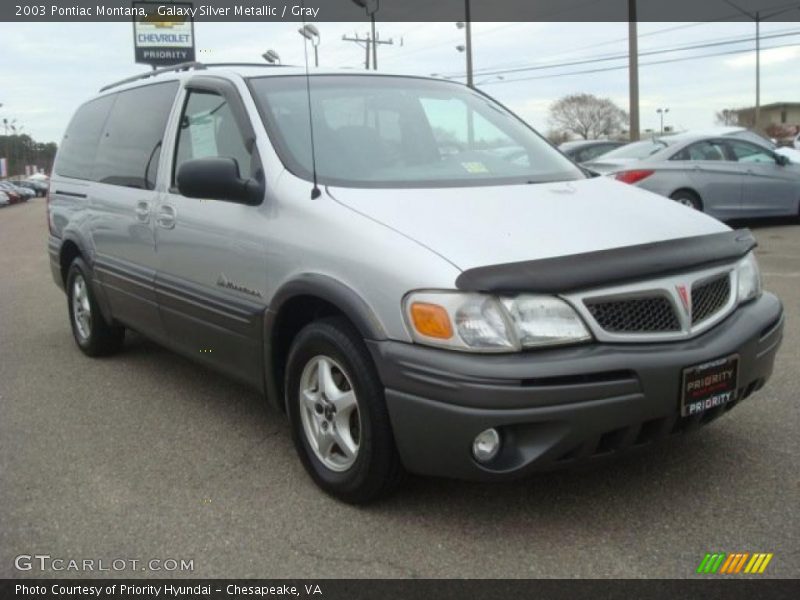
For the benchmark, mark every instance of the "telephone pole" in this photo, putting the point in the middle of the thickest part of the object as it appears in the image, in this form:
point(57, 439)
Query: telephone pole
point(633, 70)
point(369, 42)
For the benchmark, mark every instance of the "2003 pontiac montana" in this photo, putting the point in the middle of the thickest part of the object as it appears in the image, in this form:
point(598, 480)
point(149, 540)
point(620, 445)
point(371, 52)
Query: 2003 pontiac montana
point(417, 278)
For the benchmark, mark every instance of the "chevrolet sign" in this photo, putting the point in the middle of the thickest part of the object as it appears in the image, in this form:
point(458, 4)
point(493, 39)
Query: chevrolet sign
point(162, 41)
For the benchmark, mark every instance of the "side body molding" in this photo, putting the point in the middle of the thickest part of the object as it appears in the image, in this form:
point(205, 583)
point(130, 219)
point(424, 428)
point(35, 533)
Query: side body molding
point(326, 288)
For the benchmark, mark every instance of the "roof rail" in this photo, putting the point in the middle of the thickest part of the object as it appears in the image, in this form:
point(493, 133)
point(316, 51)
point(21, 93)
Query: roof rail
point(173, 68)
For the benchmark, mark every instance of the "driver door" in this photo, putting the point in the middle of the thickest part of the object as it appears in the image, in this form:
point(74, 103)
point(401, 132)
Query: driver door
point(211, 279)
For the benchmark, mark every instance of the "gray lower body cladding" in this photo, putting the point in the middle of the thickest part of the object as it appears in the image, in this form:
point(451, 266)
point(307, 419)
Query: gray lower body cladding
point(558, 407)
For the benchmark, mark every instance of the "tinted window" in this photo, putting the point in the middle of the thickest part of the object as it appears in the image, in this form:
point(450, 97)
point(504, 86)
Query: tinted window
point(402, 132)
point(208, 128)
point(131, 142)
point(79, 146)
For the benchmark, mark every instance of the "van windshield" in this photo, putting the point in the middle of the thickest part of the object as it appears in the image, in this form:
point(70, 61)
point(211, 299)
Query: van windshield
point(382, 131)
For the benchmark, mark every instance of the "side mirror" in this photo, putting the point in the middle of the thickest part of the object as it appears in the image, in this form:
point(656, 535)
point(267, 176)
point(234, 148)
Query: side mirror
point(217, 178)
point(782, 159)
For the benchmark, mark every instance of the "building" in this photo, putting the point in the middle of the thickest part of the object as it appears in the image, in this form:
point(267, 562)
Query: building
point(778, 113)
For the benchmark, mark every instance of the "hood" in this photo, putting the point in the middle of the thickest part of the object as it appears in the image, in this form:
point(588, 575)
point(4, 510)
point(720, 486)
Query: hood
point(479, 226)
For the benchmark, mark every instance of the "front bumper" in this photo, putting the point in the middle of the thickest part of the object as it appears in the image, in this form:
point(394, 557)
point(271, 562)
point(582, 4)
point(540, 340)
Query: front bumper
point(557, 407)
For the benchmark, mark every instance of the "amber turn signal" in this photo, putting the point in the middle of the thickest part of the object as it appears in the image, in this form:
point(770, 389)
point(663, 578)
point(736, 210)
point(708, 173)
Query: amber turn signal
point(431, 320)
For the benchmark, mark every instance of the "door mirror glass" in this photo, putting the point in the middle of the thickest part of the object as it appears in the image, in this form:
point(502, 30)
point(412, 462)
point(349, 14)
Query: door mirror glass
point(782, 159)
point(216, 178)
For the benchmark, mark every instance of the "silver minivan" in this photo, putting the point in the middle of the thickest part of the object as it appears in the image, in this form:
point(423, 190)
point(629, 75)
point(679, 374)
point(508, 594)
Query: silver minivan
point(416, 277)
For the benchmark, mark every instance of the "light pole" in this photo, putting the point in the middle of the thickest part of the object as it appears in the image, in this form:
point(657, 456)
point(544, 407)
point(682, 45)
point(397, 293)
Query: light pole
point(271, 57)
point(311, 33)
point(757, 17)
point(662, 112)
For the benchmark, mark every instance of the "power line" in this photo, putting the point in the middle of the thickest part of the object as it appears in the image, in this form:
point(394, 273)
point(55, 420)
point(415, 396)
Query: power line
point(624, 56)
point(659, 62)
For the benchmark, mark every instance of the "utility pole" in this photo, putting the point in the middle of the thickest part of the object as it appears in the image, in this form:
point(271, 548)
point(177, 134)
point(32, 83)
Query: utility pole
point(468, 32)
point(369, 43)
point(757, 17)
point(633, 70)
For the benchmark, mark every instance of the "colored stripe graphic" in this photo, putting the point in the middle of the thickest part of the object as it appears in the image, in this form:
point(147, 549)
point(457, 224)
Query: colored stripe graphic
point(734, 563)
point(711, 562)
point(758, 563)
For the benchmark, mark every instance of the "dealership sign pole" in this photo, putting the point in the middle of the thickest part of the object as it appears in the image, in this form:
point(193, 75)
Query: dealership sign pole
point(163, 40)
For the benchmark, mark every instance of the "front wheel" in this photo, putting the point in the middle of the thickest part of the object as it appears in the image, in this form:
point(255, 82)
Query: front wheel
point(340, 424)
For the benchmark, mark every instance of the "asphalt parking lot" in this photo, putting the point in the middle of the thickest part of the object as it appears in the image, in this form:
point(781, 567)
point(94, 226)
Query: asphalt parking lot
point(148, 456)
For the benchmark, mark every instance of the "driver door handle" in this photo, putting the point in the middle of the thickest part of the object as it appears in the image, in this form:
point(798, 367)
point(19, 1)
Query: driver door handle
point(166, 216)
point(143, 212)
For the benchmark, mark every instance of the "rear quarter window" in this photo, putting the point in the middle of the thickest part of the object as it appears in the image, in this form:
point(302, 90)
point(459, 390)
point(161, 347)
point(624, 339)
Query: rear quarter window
point(79, 146)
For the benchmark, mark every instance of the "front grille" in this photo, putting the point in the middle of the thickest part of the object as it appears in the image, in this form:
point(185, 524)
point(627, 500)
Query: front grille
point(635, 315)
point(710, 297)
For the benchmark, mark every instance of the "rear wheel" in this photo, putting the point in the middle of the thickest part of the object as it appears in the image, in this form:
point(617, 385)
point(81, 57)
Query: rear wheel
point(688, 198)
point(93, 334)
point(340, 424)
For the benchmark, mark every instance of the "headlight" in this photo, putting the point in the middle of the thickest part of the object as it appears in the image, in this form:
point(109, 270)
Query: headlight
point(749, 278)
point(485, 323)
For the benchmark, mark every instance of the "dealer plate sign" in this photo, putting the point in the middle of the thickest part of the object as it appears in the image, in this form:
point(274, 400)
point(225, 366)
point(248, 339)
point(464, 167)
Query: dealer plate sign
point(163, 40)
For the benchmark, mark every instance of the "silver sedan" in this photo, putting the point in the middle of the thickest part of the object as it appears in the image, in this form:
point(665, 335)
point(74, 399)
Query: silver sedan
point(726, 177)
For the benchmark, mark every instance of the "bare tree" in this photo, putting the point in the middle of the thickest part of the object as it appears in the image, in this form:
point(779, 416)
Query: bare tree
point(587, 116)
point(727, 117)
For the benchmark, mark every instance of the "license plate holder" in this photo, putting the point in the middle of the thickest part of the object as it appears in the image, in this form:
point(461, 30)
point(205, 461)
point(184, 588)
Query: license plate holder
point(708, 385)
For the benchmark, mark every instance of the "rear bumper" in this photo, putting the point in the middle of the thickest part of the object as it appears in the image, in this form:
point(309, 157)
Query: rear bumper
point(557, 407)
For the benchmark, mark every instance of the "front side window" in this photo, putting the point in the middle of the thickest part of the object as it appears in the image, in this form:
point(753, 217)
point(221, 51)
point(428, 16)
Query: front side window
point(402, 132)
point(208, 129)
point(750, 153)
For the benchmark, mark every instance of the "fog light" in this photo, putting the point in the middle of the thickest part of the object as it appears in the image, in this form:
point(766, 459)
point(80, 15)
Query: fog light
point(486, 445)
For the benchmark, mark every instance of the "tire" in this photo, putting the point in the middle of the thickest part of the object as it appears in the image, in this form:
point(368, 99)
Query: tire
point(688, 198)
point(342, 432)
point(93, 334)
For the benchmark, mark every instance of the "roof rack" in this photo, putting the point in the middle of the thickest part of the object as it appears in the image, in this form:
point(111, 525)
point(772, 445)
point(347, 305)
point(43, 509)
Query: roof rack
point(183, 67)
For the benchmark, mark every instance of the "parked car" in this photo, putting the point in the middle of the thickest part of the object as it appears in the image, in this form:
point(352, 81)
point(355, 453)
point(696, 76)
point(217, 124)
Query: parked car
point(14, 195)
point(582, 151)
point(726, 177)
point(410, 298)
point(38, 187)
point(4, 200)
point(25, 192)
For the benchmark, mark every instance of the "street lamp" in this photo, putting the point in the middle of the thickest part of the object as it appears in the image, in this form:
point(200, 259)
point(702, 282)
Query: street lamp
point(311, 33)
point(271, 57)
point(757, 17)
point(662, 112)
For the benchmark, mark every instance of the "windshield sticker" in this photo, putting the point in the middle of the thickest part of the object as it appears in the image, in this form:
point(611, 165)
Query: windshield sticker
point(474, 167)
point(204, 139)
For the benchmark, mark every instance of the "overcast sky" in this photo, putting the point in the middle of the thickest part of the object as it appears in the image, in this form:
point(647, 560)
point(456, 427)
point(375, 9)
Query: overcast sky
point(48, 69)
